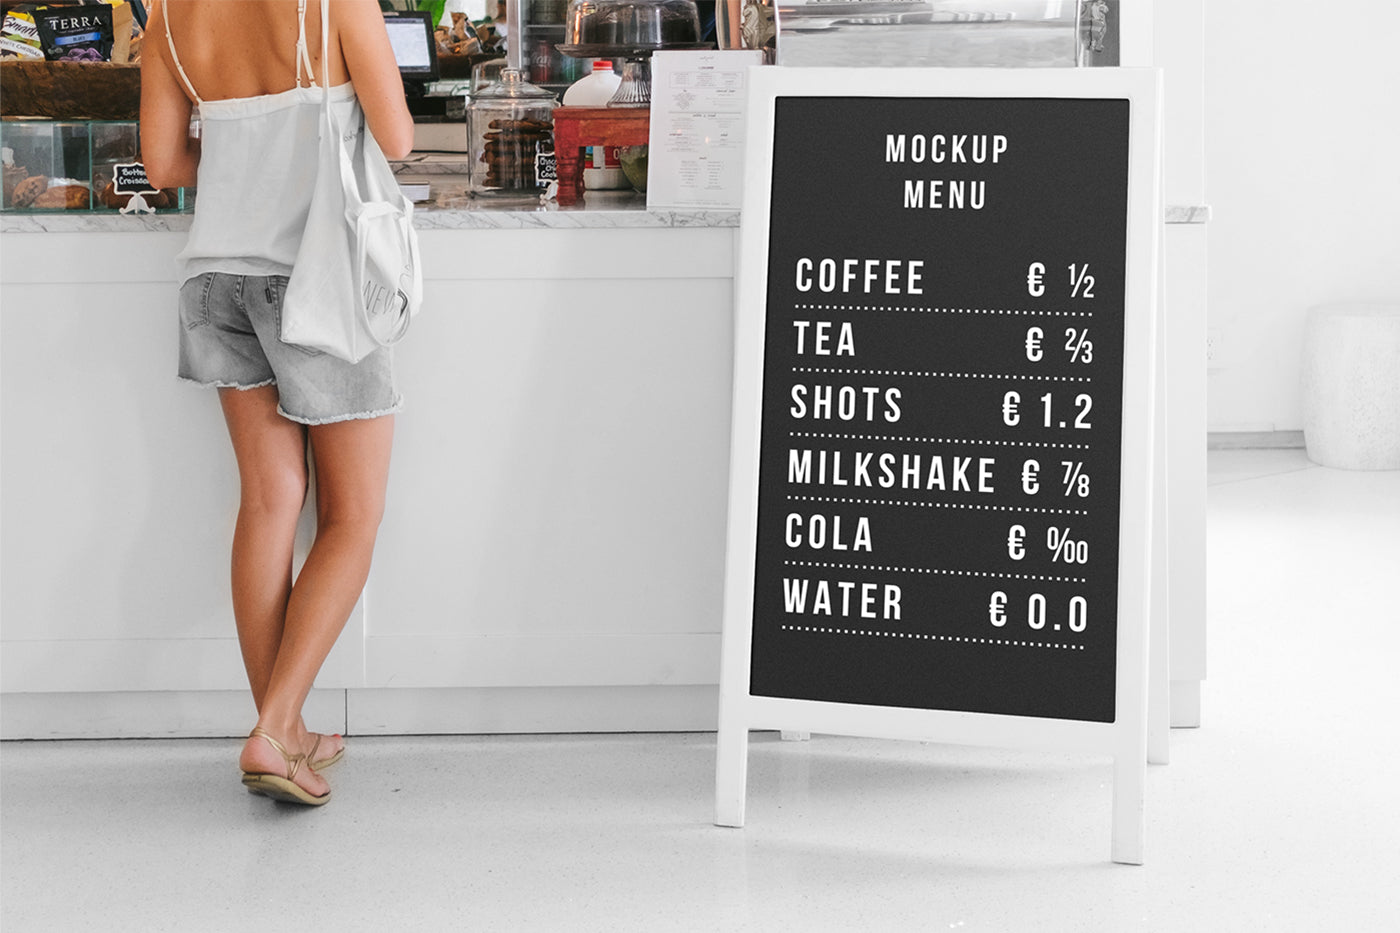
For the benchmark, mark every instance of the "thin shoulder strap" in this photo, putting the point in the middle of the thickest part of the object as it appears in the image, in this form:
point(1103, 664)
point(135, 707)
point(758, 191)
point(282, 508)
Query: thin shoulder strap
point(326, 51)
point(176, 58)
point(303, 56)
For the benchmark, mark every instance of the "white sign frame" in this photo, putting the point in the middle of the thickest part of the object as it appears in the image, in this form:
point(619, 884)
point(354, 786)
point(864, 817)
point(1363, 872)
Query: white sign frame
point(1125, 740)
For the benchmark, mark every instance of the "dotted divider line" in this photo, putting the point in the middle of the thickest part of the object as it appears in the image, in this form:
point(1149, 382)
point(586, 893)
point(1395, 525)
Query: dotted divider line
point(938, 505)
point(919, 636)
point(934, 571)
point(932, 440)
point(831, 371)
point(1008, 312)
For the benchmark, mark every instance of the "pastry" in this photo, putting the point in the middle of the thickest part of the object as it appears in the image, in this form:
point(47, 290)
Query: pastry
point(14, 174)
point(26, 191)
point(65, 197)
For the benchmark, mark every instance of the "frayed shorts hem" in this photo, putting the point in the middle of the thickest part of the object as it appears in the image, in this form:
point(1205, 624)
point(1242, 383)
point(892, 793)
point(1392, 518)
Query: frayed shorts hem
point(335, 419)
point(220, 384)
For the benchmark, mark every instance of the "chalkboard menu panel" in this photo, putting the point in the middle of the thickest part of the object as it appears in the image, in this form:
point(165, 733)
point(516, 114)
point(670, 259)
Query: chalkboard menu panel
point(941, 424)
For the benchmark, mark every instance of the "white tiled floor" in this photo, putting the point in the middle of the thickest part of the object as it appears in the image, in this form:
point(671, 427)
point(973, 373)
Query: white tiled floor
point(1281, 813)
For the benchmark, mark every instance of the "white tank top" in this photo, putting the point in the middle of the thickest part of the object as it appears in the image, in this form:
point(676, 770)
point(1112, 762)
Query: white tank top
point(257, 168)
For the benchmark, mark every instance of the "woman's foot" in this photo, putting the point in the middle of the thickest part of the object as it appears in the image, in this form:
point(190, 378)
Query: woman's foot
point(331, 750)
point(332, 747)
point(277, 766)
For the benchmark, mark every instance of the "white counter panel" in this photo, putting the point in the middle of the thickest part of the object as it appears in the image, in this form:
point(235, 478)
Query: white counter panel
point(557, 490)
point(118, 489)
point(556, 503)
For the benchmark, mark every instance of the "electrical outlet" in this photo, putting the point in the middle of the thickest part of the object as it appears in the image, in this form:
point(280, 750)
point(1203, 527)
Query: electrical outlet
point(1215, 348)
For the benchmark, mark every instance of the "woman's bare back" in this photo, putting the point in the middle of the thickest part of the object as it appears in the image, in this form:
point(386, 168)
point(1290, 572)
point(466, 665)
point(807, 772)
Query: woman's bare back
point(247, 48)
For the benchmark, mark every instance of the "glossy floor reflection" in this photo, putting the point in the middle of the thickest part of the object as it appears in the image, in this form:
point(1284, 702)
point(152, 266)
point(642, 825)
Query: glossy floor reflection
point(1281, 813)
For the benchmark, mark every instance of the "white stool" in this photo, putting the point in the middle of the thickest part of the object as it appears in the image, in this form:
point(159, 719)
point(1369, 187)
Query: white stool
point(1351, 386)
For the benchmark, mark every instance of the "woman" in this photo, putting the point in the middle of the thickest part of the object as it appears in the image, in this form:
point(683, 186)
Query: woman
point(255, 77)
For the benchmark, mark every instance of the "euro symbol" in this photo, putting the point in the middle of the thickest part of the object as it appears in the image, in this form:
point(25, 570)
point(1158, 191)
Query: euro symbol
point(1009, 413)
point(1030, 477)
point(1035, 279)
point(996, 608)
point(1014, 542)
point(1033, 338)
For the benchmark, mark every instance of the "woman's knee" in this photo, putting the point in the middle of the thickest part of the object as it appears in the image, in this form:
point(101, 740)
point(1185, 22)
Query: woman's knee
point(352, 471)
point(359, 516)
point(276, 493)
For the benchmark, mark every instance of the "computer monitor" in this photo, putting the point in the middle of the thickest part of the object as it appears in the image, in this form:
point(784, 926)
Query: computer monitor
point(415, 49)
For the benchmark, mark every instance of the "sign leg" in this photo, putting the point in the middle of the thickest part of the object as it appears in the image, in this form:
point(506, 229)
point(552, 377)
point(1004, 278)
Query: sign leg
point(1129, 815)
point(731, 774)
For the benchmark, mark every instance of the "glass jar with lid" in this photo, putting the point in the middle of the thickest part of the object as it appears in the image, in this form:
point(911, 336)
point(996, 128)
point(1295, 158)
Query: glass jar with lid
point(510, 125)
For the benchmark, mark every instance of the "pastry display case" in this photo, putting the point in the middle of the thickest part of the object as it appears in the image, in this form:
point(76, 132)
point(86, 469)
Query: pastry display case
point(80, 165)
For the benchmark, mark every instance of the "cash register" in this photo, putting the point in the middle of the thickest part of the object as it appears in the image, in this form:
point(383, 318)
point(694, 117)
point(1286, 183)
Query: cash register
point(439, 118)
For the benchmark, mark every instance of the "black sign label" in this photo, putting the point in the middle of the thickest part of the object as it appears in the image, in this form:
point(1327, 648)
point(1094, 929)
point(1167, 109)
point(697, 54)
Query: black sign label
point(545, 167)
point(938, 512)
point(130, 178)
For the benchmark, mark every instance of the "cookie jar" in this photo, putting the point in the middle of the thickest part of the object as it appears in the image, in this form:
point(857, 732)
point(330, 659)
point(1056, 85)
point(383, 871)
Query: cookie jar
point(510, 125)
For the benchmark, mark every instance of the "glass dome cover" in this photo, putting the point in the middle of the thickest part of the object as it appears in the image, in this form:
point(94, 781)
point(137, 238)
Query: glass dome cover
point(630, 27)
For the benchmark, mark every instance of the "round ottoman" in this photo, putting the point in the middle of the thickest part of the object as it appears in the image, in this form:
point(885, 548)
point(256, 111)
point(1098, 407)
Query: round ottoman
point(1351, 386)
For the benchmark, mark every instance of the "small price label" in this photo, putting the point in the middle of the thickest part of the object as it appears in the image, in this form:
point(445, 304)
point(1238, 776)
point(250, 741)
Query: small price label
point(545, 168)
point(130, 178)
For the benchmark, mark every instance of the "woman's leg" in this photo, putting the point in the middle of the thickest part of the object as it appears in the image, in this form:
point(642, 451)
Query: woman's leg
point(352, 471)
point(271, 455)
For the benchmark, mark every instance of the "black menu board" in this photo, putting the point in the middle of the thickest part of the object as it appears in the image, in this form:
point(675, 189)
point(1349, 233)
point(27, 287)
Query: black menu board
point(941, 405)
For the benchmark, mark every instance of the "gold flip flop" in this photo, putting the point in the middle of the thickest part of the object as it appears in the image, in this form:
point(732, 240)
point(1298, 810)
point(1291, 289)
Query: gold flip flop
point(325, 763)
point(283, 788)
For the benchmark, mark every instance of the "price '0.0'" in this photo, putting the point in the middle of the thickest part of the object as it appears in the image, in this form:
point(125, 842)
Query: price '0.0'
point(1078, 619)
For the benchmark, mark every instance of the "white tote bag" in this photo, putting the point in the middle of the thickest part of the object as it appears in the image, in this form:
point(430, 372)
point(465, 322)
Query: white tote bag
point(356, 283)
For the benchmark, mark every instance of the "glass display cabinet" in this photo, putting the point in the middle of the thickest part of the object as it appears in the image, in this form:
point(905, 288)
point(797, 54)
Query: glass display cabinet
point(80, 165)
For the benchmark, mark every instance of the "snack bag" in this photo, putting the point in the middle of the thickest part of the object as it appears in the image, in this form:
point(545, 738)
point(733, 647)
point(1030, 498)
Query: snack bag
point(76, 33)
point(19, 37)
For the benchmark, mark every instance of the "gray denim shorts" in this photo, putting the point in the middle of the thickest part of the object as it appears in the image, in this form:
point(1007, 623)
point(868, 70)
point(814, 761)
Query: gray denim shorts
point(230, 337)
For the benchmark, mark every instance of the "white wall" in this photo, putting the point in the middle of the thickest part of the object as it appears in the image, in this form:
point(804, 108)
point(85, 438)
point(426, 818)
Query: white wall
point(1303, 173)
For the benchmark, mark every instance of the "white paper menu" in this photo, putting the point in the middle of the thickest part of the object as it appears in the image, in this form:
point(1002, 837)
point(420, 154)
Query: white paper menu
point(696, 156)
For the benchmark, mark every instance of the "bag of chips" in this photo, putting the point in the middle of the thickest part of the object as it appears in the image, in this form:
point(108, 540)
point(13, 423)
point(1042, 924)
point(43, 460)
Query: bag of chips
point(76, 33)
point(19, 37)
